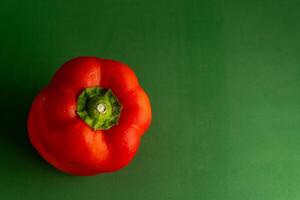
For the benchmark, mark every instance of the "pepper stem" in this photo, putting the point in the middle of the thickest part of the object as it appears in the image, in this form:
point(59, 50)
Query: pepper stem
point(99, 108)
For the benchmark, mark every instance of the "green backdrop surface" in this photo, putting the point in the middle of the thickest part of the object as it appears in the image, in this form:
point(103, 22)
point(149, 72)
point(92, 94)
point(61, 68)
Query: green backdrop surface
point(223, 78)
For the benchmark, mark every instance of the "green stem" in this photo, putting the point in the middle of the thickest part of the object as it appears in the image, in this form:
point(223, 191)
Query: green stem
point(99, 108)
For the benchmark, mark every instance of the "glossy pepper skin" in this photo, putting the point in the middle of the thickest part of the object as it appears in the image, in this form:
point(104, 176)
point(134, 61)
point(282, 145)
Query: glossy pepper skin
point(66, 141)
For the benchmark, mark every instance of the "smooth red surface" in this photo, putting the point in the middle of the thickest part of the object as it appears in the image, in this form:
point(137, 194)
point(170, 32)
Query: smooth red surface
point(67, 142)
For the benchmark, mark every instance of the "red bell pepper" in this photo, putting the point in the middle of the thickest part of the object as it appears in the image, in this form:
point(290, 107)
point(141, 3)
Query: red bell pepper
point(90, 118)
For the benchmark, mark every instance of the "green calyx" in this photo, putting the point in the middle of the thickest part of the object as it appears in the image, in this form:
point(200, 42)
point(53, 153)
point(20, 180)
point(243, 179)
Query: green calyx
point(99, 108)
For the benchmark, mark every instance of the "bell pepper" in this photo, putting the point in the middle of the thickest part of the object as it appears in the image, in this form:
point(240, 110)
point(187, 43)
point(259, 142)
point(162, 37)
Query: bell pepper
point(90, 118)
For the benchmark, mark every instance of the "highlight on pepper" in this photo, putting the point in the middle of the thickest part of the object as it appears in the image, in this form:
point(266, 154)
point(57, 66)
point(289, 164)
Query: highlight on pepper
point(90, 118)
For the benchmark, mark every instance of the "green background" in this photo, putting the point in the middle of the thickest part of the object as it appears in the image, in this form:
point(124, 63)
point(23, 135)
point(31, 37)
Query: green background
point(223, 78)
